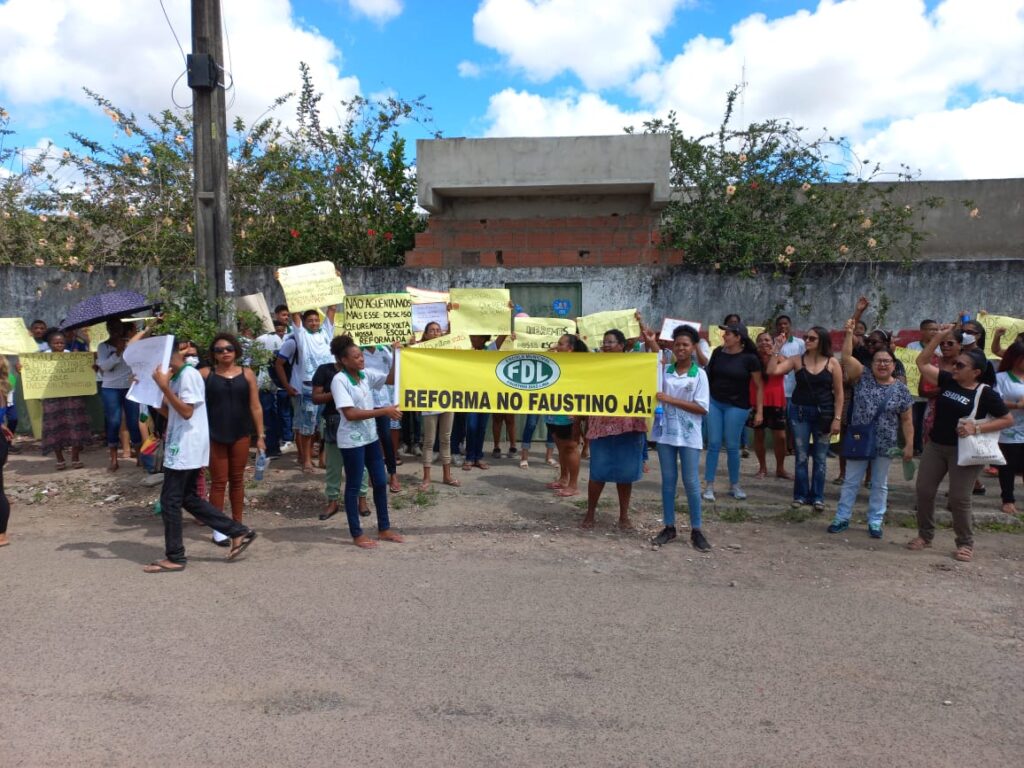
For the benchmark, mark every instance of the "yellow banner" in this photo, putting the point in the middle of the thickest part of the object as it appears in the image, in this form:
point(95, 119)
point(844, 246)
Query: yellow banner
point(15, 338)
point(378, 318)
point(447, 341)
point(909, 359)
point(562, 383)
point(715, 334)
point(538, 333)
point(311, 286)
point(423, 296)
point(481, 311)
point(52, 374)
point(593, 327)
point(990, 323)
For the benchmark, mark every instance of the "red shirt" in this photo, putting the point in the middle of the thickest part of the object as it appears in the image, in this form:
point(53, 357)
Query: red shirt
point(774, 393)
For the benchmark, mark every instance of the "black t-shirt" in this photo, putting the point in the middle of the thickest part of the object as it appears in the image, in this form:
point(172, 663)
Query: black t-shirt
point(323, 377)
point(729, 376)
point(955, 403)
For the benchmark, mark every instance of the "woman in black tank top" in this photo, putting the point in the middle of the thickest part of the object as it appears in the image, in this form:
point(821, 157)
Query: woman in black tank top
point(233, 409)
point(814, 410)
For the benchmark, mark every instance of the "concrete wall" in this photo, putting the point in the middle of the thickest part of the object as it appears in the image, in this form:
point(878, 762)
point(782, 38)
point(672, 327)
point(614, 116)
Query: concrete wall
point(936, 289)
point(549, 166)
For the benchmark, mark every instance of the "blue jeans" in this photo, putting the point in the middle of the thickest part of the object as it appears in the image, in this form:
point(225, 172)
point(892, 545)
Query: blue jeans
point(725, 423)
point(458, 433)
point(387, 446)
point(532, 420)
point(476, 432)
point(856, 469)
point(670, 458)
point(271, 422)
point(355, 460)
point(804, 421)
point(114, 402)
point(284, 415)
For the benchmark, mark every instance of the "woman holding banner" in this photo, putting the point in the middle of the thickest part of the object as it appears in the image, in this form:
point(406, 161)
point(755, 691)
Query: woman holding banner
point(616, 450)
point(65, 419)
point(357, 437)
point(684, 396)
point(437, 424)
point(566, 432)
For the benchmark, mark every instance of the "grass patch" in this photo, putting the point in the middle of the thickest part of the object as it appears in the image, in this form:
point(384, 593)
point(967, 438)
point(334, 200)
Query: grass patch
point(416, 498)
point(1012, 525)
point(798, 515)
point(733, 515)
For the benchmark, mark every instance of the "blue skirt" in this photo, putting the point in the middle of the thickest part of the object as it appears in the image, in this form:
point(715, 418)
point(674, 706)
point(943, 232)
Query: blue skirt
point(618, 459)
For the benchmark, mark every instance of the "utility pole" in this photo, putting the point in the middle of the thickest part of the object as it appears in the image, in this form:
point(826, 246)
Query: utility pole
point(206, 77)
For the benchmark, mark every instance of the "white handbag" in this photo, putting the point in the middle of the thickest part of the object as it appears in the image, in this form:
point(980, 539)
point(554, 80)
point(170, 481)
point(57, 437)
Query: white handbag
point(982, 448)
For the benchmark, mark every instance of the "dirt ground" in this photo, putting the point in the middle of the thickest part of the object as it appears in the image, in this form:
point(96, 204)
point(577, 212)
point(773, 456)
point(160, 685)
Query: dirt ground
point(500, 633)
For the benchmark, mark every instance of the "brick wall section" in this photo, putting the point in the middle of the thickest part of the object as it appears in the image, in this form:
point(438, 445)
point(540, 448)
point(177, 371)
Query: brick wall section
point(596, 240)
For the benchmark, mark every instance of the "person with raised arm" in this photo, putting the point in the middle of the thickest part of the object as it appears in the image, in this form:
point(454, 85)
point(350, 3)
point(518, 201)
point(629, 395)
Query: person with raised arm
point(814, 410)
point(961, 393)
point(1010, 386)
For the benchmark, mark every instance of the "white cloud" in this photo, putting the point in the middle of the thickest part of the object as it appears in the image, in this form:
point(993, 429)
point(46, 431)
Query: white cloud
point(378, 10)
point(469, 69)
point(518, 113)
point(603, 42)
point(853, 67)
point(973, 143)
point(54, 47)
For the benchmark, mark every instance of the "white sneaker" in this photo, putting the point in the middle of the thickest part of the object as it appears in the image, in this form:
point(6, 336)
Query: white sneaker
point(287, 445)
point(737, 493)
point(417, 451)
point(709, 494)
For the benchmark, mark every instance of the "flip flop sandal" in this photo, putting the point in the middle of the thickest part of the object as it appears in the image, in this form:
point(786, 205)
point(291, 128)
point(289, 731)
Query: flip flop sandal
point(77, 465)
point(917, 544)
point(524, 464)
point(555, 486)
point(366, 543)
point(389, 535)
point(242, 546)
point(565, 493)
point(552, 463)
point(61, 466)
point(159, 567)
point(964, 554)
point(453, 482)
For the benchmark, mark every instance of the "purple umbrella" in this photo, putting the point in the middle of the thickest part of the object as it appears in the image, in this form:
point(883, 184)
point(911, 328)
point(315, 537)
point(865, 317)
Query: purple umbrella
point(105, 306)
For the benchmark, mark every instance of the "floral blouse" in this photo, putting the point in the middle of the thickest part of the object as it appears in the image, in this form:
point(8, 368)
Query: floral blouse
point(609, 426)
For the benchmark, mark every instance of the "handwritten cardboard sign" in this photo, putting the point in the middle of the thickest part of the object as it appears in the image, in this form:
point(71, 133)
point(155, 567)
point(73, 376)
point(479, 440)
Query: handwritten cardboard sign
point(15, 338)
point(378, 318)
point(592, 328)
point(52, 374)
point(311, 286)
point(481, 311)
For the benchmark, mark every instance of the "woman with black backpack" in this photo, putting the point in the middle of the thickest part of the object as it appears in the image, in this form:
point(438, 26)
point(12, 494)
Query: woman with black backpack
point(881, 403)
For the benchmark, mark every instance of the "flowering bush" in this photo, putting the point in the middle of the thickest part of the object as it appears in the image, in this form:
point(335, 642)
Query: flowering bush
point(767, 197)
point(296, 194)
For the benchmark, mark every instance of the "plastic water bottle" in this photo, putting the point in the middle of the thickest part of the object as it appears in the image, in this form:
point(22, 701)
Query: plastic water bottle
point(158, 508)
point(659, 419)
point(261, 465)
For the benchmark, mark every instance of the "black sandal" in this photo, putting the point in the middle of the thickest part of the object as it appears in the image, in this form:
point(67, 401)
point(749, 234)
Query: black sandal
point(242, 545)
point(331, 511)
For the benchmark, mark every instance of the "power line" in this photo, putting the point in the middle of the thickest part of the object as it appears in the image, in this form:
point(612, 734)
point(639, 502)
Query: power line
point(168, 18)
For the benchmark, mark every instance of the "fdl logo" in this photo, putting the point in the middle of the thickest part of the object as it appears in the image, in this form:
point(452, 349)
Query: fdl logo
point(528, 371)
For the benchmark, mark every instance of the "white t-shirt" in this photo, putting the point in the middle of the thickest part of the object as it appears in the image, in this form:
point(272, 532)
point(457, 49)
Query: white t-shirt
point(352, 434)
point(314, 350)
point(1011, 391)
point(915, 346)
point(187, 445)
point(792, 347)
point(379, 360)
point(682, 428)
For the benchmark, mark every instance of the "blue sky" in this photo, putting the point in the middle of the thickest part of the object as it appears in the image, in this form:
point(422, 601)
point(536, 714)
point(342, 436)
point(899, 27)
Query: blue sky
point(938, 85)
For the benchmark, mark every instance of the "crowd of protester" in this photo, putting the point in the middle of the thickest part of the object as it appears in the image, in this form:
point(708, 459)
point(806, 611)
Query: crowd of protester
point(300, 386)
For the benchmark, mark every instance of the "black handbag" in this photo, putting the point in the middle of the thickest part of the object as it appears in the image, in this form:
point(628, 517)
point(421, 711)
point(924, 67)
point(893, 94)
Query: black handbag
point(861, 440)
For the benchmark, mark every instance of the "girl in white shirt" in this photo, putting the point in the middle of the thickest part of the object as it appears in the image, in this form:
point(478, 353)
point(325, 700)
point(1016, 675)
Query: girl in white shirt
point(684, 396)
point(357, 437)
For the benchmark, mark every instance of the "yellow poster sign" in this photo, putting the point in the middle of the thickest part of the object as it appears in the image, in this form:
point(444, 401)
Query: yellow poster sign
point(1013, 326)
point(538, 333)
point(715, 334)
point(481, 311)
point(49, 374)
point(592, 328)
point(311, 286)
point(447, 341)
point(909, 359)
point(378, 318)
point(15, 338)
point(561, 383)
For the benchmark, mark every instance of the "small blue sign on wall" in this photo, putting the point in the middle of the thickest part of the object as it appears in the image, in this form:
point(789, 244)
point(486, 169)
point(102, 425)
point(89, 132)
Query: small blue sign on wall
point(561, 307)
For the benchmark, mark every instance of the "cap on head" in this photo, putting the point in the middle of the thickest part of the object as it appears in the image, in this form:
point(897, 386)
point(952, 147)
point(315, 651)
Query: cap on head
point(738, 328)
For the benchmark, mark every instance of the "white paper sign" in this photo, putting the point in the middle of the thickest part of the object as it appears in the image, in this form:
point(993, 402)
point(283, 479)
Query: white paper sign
point(424, 314)
point(671, 323)
point(143, 357)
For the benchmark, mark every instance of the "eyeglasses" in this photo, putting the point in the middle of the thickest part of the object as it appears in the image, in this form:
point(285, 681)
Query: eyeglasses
point(810, 338)
point(883, 362)
point(222, 350)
